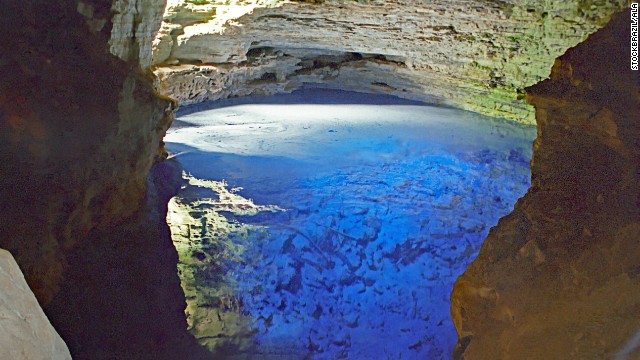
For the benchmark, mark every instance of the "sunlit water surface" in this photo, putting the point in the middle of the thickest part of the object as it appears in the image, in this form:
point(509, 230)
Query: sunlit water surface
point(334, 227)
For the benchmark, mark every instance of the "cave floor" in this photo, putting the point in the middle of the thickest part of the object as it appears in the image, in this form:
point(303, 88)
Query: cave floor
point(328, 224)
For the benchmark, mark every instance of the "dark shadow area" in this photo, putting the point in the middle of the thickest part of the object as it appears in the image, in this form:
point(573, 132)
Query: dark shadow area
point(121, 298)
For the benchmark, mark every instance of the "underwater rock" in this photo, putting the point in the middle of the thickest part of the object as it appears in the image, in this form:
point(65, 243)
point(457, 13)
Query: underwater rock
point(389, 222)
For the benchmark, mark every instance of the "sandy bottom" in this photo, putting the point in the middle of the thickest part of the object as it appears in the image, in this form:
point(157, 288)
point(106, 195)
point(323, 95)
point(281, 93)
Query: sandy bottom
point(324, 225)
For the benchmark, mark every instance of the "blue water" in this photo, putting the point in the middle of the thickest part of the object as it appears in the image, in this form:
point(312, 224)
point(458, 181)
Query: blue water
point(383, 207)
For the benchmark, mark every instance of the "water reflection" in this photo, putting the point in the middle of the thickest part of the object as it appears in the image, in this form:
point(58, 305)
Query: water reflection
point(335, 231)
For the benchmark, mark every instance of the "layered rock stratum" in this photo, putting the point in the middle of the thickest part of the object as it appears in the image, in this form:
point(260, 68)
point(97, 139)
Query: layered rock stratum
point(475, 55)
point(558, 277)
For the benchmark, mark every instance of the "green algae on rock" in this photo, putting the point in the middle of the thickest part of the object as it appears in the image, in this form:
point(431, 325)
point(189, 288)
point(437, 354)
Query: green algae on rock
point(209, 247)
point(419, 50)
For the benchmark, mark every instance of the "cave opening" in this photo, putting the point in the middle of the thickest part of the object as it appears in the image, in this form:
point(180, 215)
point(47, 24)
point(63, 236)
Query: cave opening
point(89, 89)
point(333, 224)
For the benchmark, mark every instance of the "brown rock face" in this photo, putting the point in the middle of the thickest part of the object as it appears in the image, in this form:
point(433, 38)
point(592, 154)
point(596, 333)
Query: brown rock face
point(79, 131)
point(558, 278)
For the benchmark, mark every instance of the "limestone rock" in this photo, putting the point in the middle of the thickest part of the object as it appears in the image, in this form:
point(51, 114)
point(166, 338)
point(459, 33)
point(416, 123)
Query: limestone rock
point(476, 55)
point(135, 25)
point(558, 277)
point(25, 331)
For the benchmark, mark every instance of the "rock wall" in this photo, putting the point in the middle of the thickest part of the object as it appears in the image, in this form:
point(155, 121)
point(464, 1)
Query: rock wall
point(474, 54)
point(79, 131)
point(123, 287)
point(135, 26)
point(25, 331)
point(558, 277)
